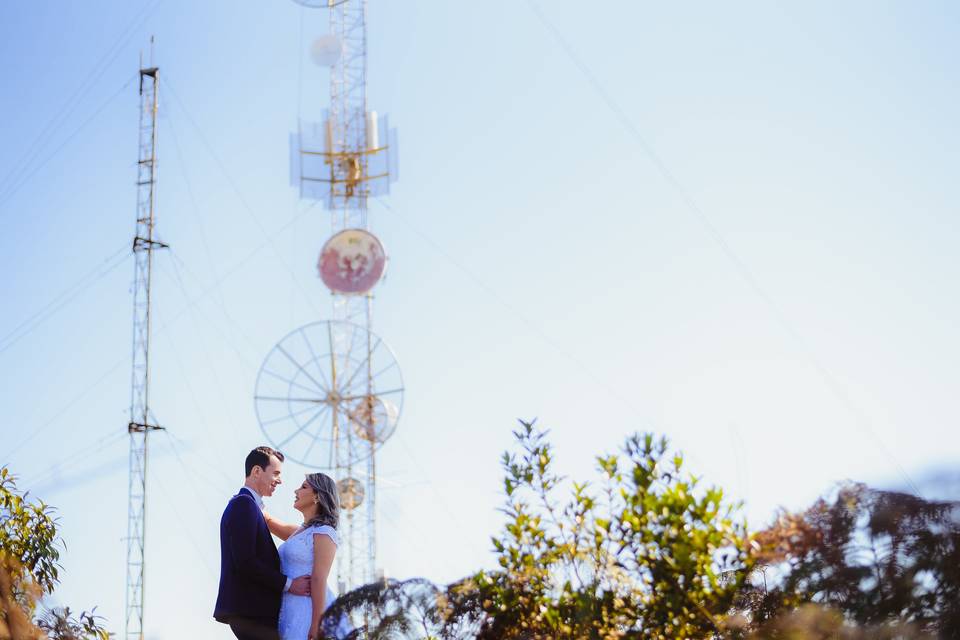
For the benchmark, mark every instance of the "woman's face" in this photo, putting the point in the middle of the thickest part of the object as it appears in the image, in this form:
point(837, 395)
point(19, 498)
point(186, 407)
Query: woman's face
point(303, 498)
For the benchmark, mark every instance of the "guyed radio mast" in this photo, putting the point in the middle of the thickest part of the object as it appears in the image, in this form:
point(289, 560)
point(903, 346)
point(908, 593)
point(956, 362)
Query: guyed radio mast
point(140, 425)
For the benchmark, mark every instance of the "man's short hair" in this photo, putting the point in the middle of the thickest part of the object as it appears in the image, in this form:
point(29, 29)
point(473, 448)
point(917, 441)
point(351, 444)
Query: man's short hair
point(260, 457)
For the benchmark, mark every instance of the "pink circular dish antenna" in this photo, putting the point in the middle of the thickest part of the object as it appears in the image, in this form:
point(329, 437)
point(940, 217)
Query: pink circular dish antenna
point(352, 261)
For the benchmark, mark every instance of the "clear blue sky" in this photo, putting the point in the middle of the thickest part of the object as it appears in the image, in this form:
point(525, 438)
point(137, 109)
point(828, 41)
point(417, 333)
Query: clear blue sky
point(732, 224)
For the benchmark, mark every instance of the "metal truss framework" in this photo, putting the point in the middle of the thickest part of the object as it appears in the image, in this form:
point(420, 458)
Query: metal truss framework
point(348, 162)
point(140, 426)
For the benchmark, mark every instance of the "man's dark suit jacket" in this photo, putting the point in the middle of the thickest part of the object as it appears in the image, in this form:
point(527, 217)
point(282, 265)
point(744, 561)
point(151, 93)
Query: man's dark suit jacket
point(251, 583)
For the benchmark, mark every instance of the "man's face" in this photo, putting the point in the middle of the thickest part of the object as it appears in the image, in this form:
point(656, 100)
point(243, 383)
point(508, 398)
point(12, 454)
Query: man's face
point(269, 478)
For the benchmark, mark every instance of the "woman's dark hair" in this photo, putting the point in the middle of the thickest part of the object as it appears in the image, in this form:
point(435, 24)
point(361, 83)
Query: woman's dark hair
point(260, 457)
point(328, 502)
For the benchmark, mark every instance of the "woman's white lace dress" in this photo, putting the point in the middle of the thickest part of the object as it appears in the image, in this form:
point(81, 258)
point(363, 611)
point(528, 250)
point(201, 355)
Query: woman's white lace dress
point(296, 559)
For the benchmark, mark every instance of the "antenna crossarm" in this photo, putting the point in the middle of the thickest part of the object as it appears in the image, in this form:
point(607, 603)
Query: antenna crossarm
point(146, 244)
point(139, 427)
point(345, 154)
point(347, 180)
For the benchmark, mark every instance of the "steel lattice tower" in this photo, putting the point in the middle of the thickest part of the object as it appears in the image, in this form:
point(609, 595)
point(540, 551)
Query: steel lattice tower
point(140, 426)
point(330, 393)
point(347, 126)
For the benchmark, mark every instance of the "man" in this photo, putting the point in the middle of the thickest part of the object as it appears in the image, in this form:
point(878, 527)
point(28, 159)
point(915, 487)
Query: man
point(251, 583)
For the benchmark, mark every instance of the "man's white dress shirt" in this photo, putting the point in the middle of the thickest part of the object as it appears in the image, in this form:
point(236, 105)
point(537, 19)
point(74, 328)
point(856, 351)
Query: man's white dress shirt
point(259, 499)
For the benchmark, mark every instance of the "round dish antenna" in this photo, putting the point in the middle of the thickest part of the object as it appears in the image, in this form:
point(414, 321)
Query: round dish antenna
point(374, 419)
point(352, 261)
point(329, 394)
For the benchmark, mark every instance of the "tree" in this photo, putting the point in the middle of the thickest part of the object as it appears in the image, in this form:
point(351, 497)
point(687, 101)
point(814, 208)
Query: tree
point(645, 554)
point(880, 558)
point(648, 554)
point(29, 569)
point(394, 609)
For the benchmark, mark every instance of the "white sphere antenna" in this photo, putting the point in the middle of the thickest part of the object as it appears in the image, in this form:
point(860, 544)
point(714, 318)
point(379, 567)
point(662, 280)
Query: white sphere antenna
point(326, 50)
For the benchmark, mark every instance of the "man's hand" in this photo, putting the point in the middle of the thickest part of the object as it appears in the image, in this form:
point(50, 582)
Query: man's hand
point(300, 586)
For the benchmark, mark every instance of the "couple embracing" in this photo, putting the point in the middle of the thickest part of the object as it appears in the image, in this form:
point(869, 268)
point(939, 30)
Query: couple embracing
point(271, 594)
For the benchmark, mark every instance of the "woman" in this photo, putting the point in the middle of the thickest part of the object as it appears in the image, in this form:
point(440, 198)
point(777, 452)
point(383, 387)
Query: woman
point(309, 549)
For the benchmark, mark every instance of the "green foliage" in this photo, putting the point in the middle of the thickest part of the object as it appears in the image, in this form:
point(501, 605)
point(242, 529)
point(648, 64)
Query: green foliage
point(393, 609)
point(880, 558)
point(647, 554)
point(59, 624)
point(14, 621)
point(28, 540)
point(29, 569)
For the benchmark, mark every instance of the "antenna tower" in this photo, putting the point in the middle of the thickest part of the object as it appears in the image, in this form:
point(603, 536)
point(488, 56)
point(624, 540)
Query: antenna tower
point(330, 393)
point(140, 426)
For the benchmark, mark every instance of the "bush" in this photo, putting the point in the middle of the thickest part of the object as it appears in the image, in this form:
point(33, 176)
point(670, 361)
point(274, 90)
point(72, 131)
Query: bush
point(879, 558)
point(645, 554)
point(30, 569)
